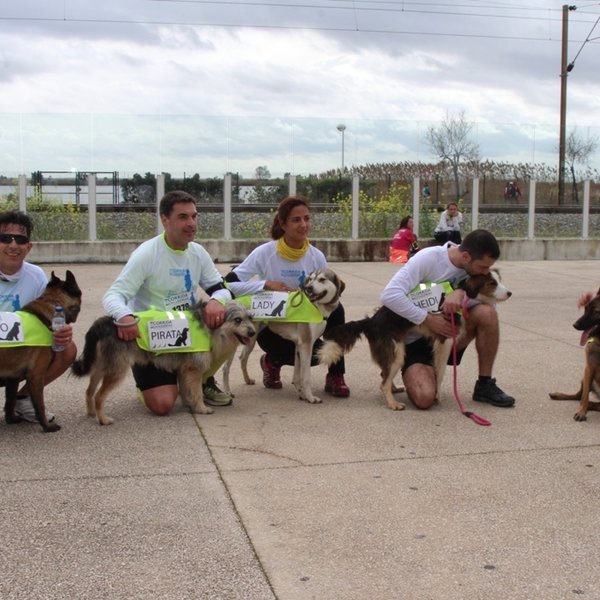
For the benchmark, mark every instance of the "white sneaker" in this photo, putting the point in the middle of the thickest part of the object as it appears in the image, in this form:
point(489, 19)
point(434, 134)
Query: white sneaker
point(24, 409)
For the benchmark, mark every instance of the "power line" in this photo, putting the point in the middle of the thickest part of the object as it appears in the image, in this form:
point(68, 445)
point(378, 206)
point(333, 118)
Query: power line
point(356, 29)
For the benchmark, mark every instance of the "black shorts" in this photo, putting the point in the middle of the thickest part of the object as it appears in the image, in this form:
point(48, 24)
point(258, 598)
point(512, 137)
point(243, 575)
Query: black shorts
point(421, 351)
point(148, 377)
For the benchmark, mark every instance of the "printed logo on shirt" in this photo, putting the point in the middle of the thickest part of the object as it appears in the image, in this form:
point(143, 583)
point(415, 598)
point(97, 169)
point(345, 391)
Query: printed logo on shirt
point(181, 301)
point(299, 275)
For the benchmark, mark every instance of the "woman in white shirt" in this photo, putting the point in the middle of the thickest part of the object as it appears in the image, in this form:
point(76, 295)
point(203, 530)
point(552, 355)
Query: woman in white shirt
point(282, 265)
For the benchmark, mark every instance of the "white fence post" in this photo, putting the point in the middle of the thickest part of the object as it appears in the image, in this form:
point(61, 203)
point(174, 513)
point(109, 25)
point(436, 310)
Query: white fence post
point(292, 185)
point(227, 206)
point(475, 204)
point(531, 212)
point(23, 193)
point(416, 214)
point(585, 226)
point(355, 206)
point(92, 231)
point(160, 192)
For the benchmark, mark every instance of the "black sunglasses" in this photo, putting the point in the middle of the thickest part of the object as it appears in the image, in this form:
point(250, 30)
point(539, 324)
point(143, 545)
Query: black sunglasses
point(7, 238)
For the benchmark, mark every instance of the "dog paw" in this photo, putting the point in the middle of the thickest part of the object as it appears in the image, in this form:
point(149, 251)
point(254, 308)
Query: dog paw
point(396, 405)
point(312, 399)
point(51, 427)
point(580, 417)
point(105, 420)
point(12, 419)
point(202, 410)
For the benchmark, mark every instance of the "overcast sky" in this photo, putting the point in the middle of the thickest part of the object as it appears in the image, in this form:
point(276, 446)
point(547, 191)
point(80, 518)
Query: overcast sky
point(210, 87)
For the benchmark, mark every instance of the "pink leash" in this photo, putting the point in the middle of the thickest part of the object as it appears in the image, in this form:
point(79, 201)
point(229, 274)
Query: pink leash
point(479, 420)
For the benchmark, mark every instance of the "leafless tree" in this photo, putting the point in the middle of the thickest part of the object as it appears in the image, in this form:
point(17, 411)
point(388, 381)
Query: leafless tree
point(451, 142)
point(578, 150)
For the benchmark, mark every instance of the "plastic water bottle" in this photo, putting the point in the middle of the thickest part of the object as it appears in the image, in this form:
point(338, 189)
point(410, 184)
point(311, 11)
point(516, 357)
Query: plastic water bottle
point(58, 321)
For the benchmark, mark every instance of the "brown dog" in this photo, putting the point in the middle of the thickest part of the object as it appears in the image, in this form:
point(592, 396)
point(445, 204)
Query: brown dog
point(31, 362)
point(385, 331)
point(589, 324)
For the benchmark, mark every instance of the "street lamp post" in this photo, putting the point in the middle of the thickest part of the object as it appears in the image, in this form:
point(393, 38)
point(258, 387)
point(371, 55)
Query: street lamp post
point(342, 128)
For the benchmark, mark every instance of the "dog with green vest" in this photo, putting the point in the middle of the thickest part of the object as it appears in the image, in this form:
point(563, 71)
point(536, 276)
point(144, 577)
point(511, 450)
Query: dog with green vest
point(175, 341)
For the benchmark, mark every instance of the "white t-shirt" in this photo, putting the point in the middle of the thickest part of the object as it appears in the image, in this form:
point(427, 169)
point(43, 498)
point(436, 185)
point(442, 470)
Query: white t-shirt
point(158, 276)
point(430, 265)
point(22, 287)
point(265, 263)
point(448, 223)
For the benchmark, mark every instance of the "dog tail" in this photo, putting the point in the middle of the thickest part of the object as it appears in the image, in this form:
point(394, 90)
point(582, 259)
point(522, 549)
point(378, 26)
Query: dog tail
point(340, 340)
point(99, 330)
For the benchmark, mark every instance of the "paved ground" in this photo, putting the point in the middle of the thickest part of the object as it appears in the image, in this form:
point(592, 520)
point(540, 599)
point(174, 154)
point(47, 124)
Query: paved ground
point(275, 498)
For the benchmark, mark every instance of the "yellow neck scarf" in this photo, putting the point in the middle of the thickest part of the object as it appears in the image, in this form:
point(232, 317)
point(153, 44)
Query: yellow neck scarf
point(291, 253)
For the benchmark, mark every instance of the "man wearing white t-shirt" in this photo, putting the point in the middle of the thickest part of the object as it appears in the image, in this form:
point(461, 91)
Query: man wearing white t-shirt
point(164, 272)
point(448, 263)
point(20, 283)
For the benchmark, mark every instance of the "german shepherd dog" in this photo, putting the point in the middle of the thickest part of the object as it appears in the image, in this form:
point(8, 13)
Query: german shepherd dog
point(589, 324)
point(323, 288)
point(386, 331)
point(106, 359)
point(31, 362)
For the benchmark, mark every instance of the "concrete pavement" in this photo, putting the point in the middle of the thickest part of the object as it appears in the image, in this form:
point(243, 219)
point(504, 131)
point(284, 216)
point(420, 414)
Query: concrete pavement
point(275, 498)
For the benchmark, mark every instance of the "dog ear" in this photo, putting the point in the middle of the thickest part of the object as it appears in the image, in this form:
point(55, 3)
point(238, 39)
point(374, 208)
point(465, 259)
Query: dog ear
point(471, 285)
point(341, 286)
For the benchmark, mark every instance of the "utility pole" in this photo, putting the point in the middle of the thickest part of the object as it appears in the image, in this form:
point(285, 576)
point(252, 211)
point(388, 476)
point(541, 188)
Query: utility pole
point(565, 69)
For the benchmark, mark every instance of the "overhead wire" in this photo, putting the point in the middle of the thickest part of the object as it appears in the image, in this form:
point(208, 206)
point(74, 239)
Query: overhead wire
point(354, 5)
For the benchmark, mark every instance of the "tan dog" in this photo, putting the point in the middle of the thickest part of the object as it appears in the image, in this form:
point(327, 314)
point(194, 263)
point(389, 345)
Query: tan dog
point(31, 363)
point(589, 324)
point(106, 359)
point(323, 288)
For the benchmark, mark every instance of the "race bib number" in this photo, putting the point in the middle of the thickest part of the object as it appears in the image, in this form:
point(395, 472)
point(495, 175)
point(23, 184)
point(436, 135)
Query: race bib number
point(269, 305)
point(180, 301)
point(169, 334)
point(430, 296)
point(11, 328)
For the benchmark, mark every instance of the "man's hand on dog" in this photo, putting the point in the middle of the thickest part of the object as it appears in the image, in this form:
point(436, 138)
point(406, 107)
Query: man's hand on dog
point(127, 328)
point(213, 314)
point(453, 303)
point(277, 286)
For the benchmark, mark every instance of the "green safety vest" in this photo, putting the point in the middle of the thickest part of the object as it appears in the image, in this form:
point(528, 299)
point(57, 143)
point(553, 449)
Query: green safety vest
point(289, 307)
point(31, 331)
point(161, 332)
point(428, 295)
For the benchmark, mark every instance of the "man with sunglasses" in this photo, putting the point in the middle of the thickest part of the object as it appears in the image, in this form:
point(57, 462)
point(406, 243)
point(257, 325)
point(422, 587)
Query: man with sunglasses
point(20, 283)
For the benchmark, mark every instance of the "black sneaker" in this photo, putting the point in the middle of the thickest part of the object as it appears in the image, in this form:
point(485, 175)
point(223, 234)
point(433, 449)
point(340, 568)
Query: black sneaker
point(489, 392)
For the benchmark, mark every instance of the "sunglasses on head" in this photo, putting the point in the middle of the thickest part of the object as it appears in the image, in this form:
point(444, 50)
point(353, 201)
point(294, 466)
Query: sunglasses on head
point(7, 238)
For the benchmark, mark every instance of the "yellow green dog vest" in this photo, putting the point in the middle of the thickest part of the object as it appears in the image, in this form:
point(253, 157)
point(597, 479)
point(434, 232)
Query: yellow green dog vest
point(290, 307)
point(21, 328)
point(171, 331)
point(429, 295)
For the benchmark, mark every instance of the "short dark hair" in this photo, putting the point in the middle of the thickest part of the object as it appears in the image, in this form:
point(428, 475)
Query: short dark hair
point(479, 244)
point(404, 222)
point(171, 198)
point(16, 217)
point(283, 212)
